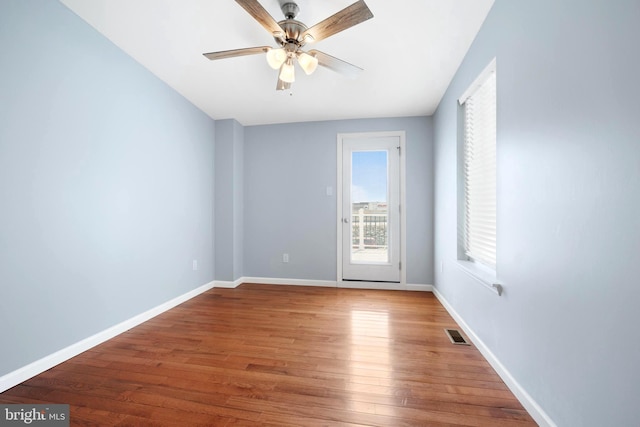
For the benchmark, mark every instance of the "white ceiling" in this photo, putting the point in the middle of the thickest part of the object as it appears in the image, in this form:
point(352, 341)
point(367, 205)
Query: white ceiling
point(410, 51)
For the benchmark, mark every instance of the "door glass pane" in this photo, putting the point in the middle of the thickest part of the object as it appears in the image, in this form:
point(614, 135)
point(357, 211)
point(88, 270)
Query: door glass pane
point(369, 207)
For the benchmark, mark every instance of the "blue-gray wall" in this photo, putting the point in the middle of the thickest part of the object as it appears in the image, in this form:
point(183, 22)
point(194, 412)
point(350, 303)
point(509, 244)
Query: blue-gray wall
point(568, 199)
point(286, 209)
point(106, 184)
point(229, 200)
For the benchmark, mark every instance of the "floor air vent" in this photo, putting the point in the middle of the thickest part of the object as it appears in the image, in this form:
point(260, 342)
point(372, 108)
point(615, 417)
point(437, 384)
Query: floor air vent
point(456, 337)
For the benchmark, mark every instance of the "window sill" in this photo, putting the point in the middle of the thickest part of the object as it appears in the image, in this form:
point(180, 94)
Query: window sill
point(486, 278)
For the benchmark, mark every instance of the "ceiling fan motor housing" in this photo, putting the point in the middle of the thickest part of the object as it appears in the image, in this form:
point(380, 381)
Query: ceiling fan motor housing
point(293, 31)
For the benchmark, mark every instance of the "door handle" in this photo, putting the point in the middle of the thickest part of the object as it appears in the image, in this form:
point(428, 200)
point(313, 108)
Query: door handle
point(345, 220)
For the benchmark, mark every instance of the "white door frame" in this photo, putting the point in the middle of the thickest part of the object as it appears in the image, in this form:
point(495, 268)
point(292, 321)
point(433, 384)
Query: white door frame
point(401, 135)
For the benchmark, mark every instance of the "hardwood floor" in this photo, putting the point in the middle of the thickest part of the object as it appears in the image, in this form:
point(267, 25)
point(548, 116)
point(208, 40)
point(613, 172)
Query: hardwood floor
point(283, 356)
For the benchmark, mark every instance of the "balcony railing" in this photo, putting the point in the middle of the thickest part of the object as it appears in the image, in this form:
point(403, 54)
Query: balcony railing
point(369, 231)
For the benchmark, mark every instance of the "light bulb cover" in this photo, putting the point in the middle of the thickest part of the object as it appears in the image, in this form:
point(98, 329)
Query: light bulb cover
point(287, 72)
point(276, 57)
point(307, 62)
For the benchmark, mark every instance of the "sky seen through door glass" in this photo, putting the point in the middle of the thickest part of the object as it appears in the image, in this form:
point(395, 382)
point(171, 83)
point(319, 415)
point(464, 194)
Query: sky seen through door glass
point(369, 176)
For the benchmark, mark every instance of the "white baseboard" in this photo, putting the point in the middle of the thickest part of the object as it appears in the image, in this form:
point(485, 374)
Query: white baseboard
point(420, 288)
point(538, 414)
point(290, 282)
point(383, 286)
point(228, 285)
point(22, 374)
point(333, 284)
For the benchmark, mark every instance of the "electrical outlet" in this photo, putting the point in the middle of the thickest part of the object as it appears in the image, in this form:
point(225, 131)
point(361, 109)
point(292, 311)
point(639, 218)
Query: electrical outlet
point(285, 257)
point(194, 265)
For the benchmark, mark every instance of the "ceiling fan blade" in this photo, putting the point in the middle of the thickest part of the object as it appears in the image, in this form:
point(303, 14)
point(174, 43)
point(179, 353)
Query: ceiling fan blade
point(335, 64)
point(346, 18)
point(236, 52)
point(282, 85)
point(260, 14)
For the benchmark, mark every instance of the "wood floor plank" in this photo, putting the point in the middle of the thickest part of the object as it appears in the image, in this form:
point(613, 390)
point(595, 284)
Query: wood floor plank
point(274, 355)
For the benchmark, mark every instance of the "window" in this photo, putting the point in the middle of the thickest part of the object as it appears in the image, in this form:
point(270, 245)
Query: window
point(478, 169)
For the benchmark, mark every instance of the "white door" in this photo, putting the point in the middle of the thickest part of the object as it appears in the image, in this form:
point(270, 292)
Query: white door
point(370, 222)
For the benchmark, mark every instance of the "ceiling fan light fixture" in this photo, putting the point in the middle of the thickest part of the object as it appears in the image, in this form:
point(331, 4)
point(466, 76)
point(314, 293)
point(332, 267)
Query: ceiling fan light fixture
point(276, 57)
point(291, 35)
point(308, 62)
point(287, 72)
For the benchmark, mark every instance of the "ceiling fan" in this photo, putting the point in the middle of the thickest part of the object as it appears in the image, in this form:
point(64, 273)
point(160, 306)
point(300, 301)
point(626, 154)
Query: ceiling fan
point(292, 35)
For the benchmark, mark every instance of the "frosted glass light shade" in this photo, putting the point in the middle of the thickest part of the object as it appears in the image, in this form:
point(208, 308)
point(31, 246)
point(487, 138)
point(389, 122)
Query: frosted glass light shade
point(276, 57)
point(287, 72)
point(308, 63)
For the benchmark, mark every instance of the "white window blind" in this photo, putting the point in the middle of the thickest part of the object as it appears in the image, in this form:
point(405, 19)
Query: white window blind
point(480, 173)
